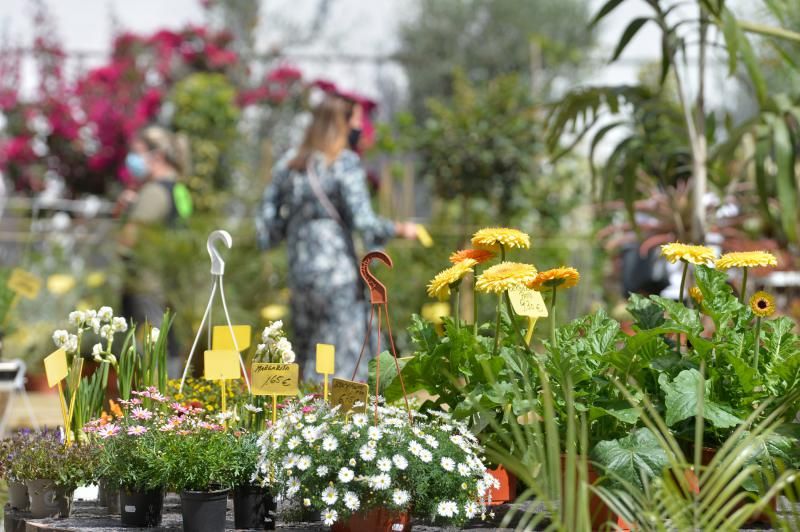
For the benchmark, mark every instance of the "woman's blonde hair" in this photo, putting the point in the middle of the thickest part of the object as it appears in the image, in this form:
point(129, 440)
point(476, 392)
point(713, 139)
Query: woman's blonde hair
point(174, 147)
point(327, 132)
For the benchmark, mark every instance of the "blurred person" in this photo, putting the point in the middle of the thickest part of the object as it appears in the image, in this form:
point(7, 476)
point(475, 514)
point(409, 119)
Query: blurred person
point(317, 200)
point(157, 159)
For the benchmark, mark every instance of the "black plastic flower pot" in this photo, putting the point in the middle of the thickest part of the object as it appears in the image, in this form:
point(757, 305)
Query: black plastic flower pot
point(254, 508)
point(141, 508)
point(204, 511)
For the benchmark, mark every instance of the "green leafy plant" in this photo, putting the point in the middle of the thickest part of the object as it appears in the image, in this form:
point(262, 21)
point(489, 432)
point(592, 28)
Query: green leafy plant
point(202, 458)
point(43, 455)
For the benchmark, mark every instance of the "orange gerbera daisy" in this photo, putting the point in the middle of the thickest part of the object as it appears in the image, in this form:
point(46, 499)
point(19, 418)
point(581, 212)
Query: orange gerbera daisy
point(563, 277)
point(478, 255)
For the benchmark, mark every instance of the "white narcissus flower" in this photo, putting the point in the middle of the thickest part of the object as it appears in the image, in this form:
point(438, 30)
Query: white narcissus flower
point(72, 344)
point(60, 337)
point(260, 349)
point(119, 324)
point(400, 497)
point(106, 332)
point(384, 464)
point(447, 509)
point(351, 501)
point(345, 475)
point(400, 461)
point(447, 463)
point(111, 359)
point(105, 314)
point(95, 324)
point(155, 332)
point(330, 495)
point(288, 357)
point(329, 516)
point(77, 317)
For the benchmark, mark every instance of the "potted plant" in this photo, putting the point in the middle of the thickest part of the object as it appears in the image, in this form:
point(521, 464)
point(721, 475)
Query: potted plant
point(130, 456)
point(372, 472)
point(52, 472)
point(253, 502)
point(9, 467)
point(199, 462)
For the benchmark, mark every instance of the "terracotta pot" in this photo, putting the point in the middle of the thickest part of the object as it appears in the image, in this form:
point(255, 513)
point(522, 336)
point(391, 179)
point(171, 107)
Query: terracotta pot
point(48, 500)
point(18, 496)
point(507, 491)
point(37, 383)
point(376, 520)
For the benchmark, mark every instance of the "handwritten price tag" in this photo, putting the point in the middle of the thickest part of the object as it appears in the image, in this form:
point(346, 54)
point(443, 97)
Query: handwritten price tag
point(527, 302)
point(55, 367)
point(346, 393)
point(325, 358)
point(220, 365)
point(222, 339)
point(24, 283)
point(275, 379)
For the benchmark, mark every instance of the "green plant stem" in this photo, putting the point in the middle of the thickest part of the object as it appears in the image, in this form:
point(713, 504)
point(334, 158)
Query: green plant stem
point(744, 286)
point(497, 326)
point(457, 311)
point(474, 303)
point(683, 280)
point(758, 343)
point(502, 253)
point(553, 319)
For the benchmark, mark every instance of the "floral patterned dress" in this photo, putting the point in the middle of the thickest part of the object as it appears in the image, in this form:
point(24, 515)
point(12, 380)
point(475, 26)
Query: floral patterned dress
point(328, 298)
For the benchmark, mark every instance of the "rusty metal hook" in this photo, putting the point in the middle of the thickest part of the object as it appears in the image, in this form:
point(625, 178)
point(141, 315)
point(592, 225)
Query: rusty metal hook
point(377, 290)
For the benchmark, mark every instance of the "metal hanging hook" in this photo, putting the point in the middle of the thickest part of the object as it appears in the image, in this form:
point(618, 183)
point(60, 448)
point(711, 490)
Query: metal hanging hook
point(377, 290)
point(217, 262)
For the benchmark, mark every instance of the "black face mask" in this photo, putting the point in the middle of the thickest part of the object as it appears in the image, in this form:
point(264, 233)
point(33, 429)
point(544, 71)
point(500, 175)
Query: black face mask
point(353, 137)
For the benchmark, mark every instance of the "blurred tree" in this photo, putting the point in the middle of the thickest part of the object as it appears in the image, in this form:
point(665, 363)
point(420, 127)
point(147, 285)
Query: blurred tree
point(488, 38)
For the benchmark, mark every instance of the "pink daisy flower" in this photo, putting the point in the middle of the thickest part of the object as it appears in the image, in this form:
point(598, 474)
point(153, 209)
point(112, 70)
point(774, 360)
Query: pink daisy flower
point(107, 431)
point(141, 413)
point(137, 430)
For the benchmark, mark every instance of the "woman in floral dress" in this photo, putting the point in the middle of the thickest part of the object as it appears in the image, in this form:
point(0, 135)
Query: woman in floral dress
point(317, 200)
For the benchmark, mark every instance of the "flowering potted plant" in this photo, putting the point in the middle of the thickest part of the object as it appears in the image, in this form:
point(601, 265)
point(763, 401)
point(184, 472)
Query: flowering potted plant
point(371, 474)
point(52, 471)
point(275, 347)
point(17, 491)
point(253, 502)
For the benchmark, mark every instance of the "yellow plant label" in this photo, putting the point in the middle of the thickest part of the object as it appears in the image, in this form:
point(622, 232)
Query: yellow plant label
point(24, 283)
point(434, 312)
point(221, 364)
point(223, 340)
point(55, 367)
point(346, 393)
point(424, 236)
point(275, 378)
point(527, 302)
point(325, 358)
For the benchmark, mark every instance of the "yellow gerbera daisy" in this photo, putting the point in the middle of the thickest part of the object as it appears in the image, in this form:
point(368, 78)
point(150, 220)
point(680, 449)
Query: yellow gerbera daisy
point(696, 294)
point(478, 255)
point(746, 259)
point(762, 304)
point(686, 252)
point(492, 237)
point(556, 278)
point(439, 286)
point(505, 275)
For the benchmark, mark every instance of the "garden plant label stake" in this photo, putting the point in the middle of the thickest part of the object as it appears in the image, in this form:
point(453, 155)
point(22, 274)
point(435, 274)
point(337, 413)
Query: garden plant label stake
point(221, 365)
point(346, 393)
point(275, 379)
point(55, 368)
point(424, 236)
point(23, 284)
point(217, 273)
point(222, 338)
point(325, 364)
point(379, 299)
point(527, 302)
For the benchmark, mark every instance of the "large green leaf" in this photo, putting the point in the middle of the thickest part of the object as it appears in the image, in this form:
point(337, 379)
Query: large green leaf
point(718, 299)
point(647, 314)
point(682, 400)
point(632, 457)
point(629, 33)
point(787, 190)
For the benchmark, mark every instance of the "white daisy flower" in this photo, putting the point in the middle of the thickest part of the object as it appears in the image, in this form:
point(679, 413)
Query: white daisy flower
point(292, 486)
point(471, 509)
point(105, 314)
point(351, 501)
point(425, 455)
point(330, 443)
point(322, 470)
point(367, 453)
point(374, 433)
point(329, 516)
point(304, 462)
point(400, 461)
point(400, 497)
point(310, 418)
point(414, 447)
point(430, 440)
point(330, 495)
point(417, 432)
point(293, 442)
point(310, 434)
point(253, 408)
point(464, 470)
point(290, 461)
point(384, 464)
point(381, 481)
point(447, 463)
point(346, 475)
point(359, 419)
point(447, 509)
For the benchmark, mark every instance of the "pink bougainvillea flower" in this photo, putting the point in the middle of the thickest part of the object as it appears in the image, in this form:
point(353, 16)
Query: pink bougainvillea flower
point(137, 430)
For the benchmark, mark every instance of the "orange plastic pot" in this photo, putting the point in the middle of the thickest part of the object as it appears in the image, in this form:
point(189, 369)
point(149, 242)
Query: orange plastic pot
point(376, 520)
point(507, 491)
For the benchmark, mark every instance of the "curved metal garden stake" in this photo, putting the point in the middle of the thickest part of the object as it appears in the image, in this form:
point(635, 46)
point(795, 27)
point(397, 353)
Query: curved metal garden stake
point(379, 298)
point(217, 272)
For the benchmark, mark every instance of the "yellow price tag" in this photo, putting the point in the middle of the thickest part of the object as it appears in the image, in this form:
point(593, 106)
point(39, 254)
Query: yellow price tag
point(219, 365)
point(424, 236)
point(275, 379)
point(55, 367)
point(434, 312)
point(24, 283)
point(346, 393)
point(325, 358)
point(223, 341)
point(527, 302)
